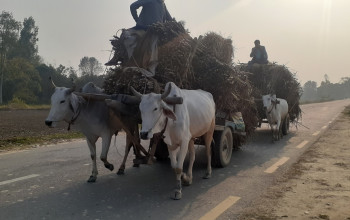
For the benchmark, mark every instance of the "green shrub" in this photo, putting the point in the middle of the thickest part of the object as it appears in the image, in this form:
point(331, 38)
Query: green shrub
point(17, 103)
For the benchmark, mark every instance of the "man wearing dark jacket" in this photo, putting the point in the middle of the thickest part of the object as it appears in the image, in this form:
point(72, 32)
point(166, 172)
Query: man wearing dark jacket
point(153, 11)
point(258, 53)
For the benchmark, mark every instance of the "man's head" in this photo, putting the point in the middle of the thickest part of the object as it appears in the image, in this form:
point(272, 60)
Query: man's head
point(257, 42)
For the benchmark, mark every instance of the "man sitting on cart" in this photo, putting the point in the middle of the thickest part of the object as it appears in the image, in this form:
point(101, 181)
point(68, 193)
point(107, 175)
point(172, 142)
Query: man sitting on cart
point(153, 11)
point(258, 53)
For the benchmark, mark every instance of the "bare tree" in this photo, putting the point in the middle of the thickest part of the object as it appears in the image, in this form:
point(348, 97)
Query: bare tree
point(90, 66)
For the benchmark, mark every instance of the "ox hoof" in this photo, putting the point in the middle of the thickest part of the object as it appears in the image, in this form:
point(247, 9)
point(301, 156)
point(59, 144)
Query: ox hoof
point(177, 195)
point(92, 179)
point(136, 165)
point(186, 182)
point(207, 176)
point(109, 166)
point(120, 172)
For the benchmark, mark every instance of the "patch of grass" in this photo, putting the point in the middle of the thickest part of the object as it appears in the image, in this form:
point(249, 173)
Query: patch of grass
point(24, 142)
point(17, 103)
point(321, 216)
point(347, 111)
point(21, 107)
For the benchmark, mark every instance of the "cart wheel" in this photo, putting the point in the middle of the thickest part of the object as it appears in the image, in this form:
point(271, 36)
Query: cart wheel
point(285, 126)
point(222, 150)
point(162, 152)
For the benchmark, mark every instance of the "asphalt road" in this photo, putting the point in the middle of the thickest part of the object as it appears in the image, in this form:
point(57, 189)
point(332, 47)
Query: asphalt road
point(49, 182)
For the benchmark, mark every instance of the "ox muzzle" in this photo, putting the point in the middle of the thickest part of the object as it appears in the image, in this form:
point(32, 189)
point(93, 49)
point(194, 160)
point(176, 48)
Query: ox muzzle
point(144, 135)
point(48, 123)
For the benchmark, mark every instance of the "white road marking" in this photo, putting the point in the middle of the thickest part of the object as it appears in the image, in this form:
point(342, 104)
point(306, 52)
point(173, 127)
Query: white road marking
point(279, 163)
point(221, 208)
point(316, 133)
point(324, 127)
point(19, 179)
point(302, 144)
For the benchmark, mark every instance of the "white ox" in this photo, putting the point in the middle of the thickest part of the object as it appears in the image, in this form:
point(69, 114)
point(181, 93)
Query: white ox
point(195, 117)
point(276, 112)
point(93, 119)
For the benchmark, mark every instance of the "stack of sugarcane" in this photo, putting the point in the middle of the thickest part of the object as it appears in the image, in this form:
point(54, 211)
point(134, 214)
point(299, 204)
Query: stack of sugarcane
point(275, 79)
point(193, 63)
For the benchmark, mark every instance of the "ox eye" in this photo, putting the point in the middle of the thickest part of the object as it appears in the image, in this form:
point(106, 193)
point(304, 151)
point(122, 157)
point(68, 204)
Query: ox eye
point(155, 109)
point(62, 101)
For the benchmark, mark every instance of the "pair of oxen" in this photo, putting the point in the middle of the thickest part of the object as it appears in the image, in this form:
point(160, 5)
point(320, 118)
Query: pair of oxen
point(178, 115)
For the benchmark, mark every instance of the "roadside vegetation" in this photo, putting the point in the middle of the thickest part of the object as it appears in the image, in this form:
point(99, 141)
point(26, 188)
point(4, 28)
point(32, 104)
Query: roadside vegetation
point(20, 143)
point(347, 111)
point(17, 103)
point(326, 92)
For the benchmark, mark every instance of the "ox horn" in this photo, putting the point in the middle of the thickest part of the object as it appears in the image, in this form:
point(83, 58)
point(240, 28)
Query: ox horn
point(174, 100)
point(136, 93)
point(50, 78)
point(166, 93)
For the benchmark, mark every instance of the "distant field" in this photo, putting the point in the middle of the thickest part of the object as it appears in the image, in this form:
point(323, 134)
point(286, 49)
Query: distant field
point(26, 127)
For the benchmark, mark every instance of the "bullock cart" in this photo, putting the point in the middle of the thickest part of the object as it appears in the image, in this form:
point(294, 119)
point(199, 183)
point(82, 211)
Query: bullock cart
point(276, 80)
point(203, 62)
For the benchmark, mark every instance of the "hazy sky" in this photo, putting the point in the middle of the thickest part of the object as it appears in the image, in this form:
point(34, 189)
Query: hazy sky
point(311, 37)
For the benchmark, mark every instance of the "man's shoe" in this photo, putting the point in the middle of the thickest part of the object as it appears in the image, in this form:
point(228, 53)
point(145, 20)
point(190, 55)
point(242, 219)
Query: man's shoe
point(112, 62)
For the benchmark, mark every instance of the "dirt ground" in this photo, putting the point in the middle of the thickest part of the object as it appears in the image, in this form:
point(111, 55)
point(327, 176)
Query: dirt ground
point(22, 123)
point(317, 186)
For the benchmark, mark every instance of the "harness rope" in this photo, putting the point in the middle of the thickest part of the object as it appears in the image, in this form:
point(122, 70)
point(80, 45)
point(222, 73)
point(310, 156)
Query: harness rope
point(75, 115)
point(274, 104)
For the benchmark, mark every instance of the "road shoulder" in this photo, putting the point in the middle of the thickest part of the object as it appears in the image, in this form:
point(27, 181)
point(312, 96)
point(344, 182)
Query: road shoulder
point(317, 185)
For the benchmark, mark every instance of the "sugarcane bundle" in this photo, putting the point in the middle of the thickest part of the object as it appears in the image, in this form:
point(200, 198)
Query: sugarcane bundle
point(275, 79)
point(229, 86)
point(218, 47)
point(200, 63)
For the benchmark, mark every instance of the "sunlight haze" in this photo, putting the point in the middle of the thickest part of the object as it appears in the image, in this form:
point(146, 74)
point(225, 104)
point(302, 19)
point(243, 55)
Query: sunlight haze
point(310, 37)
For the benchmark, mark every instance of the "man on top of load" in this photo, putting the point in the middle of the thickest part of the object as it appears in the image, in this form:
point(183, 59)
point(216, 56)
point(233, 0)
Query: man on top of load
point(153, 11)
point(258, 54)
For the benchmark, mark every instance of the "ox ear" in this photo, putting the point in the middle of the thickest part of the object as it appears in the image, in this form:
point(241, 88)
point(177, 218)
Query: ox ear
point(168, 112)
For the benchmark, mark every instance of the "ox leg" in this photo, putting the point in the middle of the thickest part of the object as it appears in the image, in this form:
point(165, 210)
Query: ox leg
point(106, 142)
point(92, 147)
point(208, 138)
point(187, 179)
point(137, 152)
point(278, 129)
point(273, 130)
point(177, 157)
point(128, 145)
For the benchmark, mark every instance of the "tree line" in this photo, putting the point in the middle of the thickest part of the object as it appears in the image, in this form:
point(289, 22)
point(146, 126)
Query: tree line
point(327, 91)
point(23, 73)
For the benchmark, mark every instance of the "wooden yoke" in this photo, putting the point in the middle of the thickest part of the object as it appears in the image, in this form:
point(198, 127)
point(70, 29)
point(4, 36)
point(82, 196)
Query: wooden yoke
point(136, 143)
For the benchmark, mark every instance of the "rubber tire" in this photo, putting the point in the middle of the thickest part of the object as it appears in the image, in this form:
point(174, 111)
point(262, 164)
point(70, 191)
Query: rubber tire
point(222, 150)
point(285, 126)
point(162, 152)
